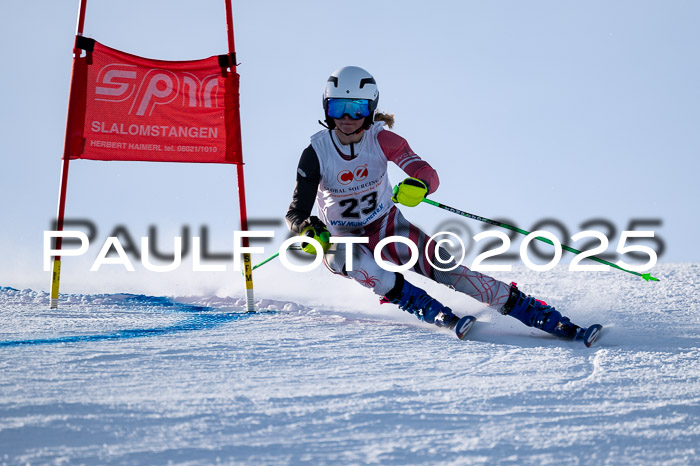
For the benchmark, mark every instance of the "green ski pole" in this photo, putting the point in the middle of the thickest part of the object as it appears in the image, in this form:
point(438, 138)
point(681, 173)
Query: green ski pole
point(324, 237)
point(274, 256)
point(645, 276)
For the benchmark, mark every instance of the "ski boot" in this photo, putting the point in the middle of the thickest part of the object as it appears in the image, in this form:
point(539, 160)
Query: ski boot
point(416, 301)
point(535, 313)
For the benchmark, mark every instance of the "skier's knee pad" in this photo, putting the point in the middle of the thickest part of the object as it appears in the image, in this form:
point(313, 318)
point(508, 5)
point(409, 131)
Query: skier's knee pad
point(363, 269)
point(335, 258)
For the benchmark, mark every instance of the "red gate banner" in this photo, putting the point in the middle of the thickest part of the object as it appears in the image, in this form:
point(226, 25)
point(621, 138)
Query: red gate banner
point(124, 107)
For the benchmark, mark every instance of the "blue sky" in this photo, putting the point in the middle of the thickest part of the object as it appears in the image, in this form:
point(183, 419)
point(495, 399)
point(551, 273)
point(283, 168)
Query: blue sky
point(528, 110)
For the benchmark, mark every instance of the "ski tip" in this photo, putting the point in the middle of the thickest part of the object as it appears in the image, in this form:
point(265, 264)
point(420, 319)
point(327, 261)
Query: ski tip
point(591, 334)
point(463, 326)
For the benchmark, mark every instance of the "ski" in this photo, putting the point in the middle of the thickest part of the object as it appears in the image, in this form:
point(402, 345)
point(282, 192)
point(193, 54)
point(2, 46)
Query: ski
point(463, 326)
point(590, 335)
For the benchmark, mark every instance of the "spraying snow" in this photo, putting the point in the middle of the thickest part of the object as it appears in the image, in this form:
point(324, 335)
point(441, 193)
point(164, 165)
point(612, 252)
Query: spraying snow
point(142, 380)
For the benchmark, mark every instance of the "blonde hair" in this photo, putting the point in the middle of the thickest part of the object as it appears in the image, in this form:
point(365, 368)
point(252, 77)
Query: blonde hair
point(387, 118)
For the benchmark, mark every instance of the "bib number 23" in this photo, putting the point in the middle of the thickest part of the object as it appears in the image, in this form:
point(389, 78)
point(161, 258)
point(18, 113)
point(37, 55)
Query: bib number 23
point(353, 206)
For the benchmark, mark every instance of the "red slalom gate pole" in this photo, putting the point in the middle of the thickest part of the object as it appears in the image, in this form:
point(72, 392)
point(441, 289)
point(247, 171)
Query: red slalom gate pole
point(56, 265)
point(247, 264)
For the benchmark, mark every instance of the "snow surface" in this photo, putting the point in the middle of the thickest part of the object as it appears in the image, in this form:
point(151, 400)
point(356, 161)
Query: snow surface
point(129, 379)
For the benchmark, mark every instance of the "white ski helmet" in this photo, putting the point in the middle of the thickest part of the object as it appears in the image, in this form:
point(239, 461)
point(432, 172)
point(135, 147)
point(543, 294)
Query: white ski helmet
point(351, 82)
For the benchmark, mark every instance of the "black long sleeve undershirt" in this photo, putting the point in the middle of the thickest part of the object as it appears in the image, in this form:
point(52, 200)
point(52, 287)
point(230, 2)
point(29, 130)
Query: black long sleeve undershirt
point(308, 178)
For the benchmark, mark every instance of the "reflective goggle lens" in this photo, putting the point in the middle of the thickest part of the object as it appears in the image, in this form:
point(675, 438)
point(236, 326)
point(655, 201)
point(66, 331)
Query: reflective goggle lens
point(355, 108)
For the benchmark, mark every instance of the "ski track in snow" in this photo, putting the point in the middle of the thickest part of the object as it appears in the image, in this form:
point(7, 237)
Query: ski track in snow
point(196, 381)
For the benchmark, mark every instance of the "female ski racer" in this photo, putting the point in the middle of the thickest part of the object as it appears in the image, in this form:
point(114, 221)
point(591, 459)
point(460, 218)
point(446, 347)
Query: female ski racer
point(344, 170)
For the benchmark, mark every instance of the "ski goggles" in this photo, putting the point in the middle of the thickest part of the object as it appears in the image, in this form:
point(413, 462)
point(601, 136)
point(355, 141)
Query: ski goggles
point(355, 108)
